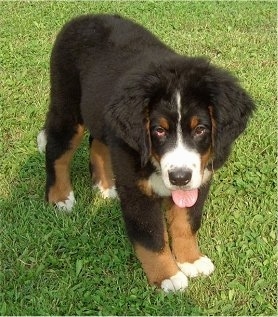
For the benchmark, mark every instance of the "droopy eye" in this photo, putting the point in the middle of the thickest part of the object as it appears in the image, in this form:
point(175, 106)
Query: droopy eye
point(199, 131)
point(159, 132)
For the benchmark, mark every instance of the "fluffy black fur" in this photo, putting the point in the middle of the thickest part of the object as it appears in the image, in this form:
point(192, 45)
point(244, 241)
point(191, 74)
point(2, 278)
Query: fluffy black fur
point(108, 73)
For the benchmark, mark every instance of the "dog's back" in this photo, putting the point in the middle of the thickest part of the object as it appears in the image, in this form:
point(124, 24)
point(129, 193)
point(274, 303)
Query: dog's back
point(91, 54)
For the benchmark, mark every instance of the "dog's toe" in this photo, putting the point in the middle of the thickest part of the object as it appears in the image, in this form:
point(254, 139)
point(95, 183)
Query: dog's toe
point(202, 266)
point(178, 282)
point(67, 204)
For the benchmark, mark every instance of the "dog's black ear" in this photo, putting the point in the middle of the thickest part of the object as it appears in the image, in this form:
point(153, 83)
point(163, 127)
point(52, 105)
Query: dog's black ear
point(231, 109)
point(127, 114)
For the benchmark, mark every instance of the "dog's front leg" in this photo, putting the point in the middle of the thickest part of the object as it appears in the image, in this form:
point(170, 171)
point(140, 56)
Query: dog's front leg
point(183, 224)
point(147, 231)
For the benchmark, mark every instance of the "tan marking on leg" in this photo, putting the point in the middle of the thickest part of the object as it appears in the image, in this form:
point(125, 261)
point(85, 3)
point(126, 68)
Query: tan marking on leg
point(102, 166)
point(183, 241)
point(62, 187)
point(158, 266)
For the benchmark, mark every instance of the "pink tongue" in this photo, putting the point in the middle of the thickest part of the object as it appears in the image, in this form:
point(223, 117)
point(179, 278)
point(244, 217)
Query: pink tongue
point(185, 198)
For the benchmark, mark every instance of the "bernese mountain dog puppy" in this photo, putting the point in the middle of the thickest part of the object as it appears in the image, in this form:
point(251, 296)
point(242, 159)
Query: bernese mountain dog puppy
point(160, 124)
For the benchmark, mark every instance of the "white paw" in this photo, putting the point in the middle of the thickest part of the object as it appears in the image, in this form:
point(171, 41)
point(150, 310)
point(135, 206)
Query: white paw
point(178, 282)
point(108, 192)
point(68, 204)
point(202, 266)
point(41, 141)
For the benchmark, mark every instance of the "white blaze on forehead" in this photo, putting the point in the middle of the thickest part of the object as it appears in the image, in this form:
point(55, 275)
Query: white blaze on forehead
point(181, 156)
point(179, 131)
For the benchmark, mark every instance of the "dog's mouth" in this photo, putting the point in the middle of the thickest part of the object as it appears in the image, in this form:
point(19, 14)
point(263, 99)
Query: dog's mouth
point(185, 198)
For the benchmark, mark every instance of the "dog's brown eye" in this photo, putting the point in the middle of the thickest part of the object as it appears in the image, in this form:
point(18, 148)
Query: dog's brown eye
point(200, 130)
point(160, 132)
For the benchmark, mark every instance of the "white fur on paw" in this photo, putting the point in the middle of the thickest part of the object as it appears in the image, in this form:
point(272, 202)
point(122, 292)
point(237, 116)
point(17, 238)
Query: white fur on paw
point(41, 141)
point(178, 282)
point(68, 204)
point(108, 192)
point(202, 266)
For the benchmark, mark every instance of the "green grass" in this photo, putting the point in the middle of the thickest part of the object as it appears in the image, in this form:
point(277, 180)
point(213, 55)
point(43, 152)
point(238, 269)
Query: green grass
point(82, 263)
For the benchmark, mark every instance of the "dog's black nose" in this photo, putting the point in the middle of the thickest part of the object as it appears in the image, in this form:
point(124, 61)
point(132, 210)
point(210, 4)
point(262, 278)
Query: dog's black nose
point(180, 176)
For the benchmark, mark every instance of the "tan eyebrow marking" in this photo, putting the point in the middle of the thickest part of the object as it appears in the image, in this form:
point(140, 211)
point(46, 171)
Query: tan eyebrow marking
point(194, 122)
point(163, 123)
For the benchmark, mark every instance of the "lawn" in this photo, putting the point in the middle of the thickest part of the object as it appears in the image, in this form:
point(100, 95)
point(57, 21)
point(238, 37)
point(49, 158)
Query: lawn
point(82, 263)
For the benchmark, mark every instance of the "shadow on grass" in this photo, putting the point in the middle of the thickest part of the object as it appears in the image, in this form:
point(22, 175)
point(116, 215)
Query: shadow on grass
point(72, 264)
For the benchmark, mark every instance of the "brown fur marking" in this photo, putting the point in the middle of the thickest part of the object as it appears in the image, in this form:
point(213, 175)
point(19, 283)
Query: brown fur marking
point(62, 187)
point(101, 161)
point(158, 266)
point(145, 187)
point(183, 241)
point(194, 122)
point(163, 123)
point(205, 158)
point(156, 157)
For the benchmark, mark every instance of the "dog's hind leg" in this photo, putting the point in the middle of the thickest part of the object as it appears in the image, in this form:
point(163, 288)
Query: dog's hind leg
point(63, 132)
point(101, 169)
point(59, 153)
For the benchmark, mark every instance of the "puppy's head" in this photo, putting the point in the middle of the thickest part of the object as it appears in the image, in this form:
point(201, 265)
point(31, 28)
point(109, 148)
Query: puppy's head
point(182, 115)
